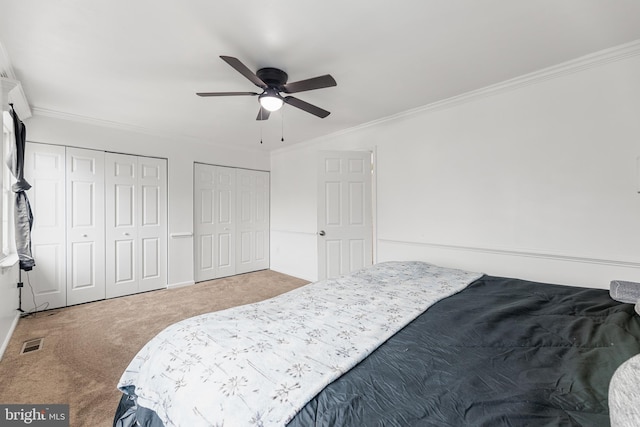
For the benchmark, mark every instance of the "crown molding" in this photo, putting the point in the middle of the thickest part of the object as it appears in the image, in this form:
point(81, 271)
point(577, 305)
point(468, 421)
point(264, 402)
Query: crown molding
point(596, 59)
point(593, 60)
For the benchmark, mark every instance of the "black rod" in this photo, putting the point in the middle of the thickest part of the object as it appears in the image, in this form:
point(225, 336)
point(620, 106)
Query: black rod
point(20, 285)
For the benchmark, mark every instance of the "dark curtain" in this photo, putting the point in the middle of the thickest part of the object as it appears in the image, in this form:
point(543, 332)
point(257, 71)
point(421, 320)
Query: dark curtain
point(23, 216)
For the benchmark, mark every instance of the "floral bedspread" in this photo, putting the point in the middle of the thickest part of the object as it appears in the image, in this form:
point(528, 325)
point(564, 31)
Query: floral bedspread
point(259, 364)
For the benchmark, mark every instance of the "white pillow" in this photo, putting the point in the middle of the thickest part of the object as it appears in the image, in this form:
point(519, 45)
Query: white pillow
point(624, 393)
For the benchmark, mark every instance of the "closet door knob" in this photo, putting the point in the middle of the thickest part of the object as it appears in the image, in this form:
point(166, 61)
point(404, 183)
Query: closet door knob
point(322, 233)
point(84, 235)
point(126, 234)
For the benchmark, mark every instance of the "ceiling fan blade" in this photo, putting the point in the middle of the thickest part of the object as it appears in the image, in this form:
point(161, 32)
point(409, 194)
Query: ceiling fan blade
point(309, 108)
point(242, 69)
point(225, 93)
point(309, 84)
point(263, 114)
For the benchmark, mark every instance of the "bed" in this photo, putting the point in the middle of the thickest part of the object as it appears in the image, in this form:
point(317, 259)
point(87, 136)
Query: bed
point(396, 344)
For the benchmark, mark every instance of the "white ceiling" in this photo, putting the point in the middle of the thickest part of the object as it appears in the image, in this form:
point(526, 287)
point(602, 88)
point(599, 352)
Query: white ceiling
point(139, 63)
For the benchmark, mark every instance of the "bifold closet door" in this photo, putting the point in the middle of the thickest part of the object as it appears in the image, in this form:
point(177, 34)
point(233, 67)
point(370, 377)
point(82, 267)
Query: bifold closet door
point(45, 171)
point(136, 224)
point(215, 217)
point(252, 252)
point(85, 225)
point(67, 200)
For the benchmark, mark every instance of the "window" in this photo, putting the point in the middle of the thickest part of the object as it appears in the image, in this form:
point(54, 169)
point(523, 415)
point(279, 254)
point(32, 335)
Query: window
point(6, 180)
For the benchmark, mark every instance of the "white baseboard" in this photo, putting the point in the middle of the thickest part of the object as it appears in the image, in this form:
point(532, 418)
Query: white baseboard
point(180, 285)
point(5, 342)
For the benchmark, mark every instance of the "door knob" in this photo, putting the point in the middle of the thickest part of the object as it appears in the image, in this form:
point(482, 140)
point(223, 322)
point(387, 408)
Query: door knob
point(322, 233)
point(84, 235)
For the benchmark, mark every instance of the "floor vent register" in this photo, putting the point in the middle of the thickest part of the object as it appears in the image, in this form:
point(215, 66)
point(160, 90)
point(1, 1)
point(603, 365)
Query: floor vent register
point(32, 345)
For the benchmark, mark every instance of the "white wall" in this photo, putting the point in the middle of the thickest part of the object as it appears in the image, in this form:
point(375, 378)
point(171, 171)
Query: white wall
point(181, 155)
point(536, 178)
point(8, 304)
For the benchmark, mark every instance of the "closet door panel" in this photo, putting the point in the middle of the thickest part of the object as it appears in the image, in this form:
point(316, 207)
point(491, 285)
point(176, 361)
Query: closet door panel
point(225, 220)
point(253, 220)
point(245, 244)
point(246, 210)
point(204, 222)
point(121, 224)
point(262, 248)
point(85, 225)
point(152, 231)
point(261, 221)
point(124, 265)
point(214, 221)
point(124, 202)
point(82, 254)
point(150, 258)
point(224, 252)
point(45, 171)
point(150, 206)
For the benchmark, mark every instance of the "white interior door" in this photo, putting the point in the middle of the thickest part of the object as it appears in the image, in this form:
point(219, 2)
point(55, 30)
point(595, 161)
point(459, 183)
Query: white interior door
point(85, 226)
point(345, 231)
point(252, 252)
point(215, 224)
point(45, 171)
point(122, 259)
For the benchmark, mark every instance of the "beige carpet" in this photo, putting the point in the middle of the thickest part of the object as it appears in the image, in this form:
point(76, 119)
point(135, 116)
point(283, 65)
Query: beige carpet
point(87, 347)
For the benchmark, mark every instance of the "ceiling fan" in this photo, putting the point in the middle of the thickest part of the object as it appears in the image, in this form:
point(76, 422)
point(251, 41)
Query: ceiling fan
point(272, 81)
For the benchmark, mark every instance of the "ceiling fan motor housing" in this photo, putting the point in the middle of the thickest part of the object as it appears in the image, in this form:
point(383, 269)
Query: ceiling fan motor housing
point(273, 77)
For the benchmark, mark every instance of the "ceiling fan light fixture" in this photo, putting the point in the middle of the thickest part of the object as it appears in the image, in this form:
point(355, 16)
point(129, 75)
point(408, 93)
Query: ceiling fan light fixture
point(271, 100)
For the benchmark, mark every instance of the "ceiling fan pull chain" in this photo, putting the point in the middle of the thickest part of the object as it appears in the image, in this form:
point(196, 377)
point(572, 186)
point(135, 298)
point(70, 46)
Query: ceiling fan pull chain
point(282, 128)
point(261, 126)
